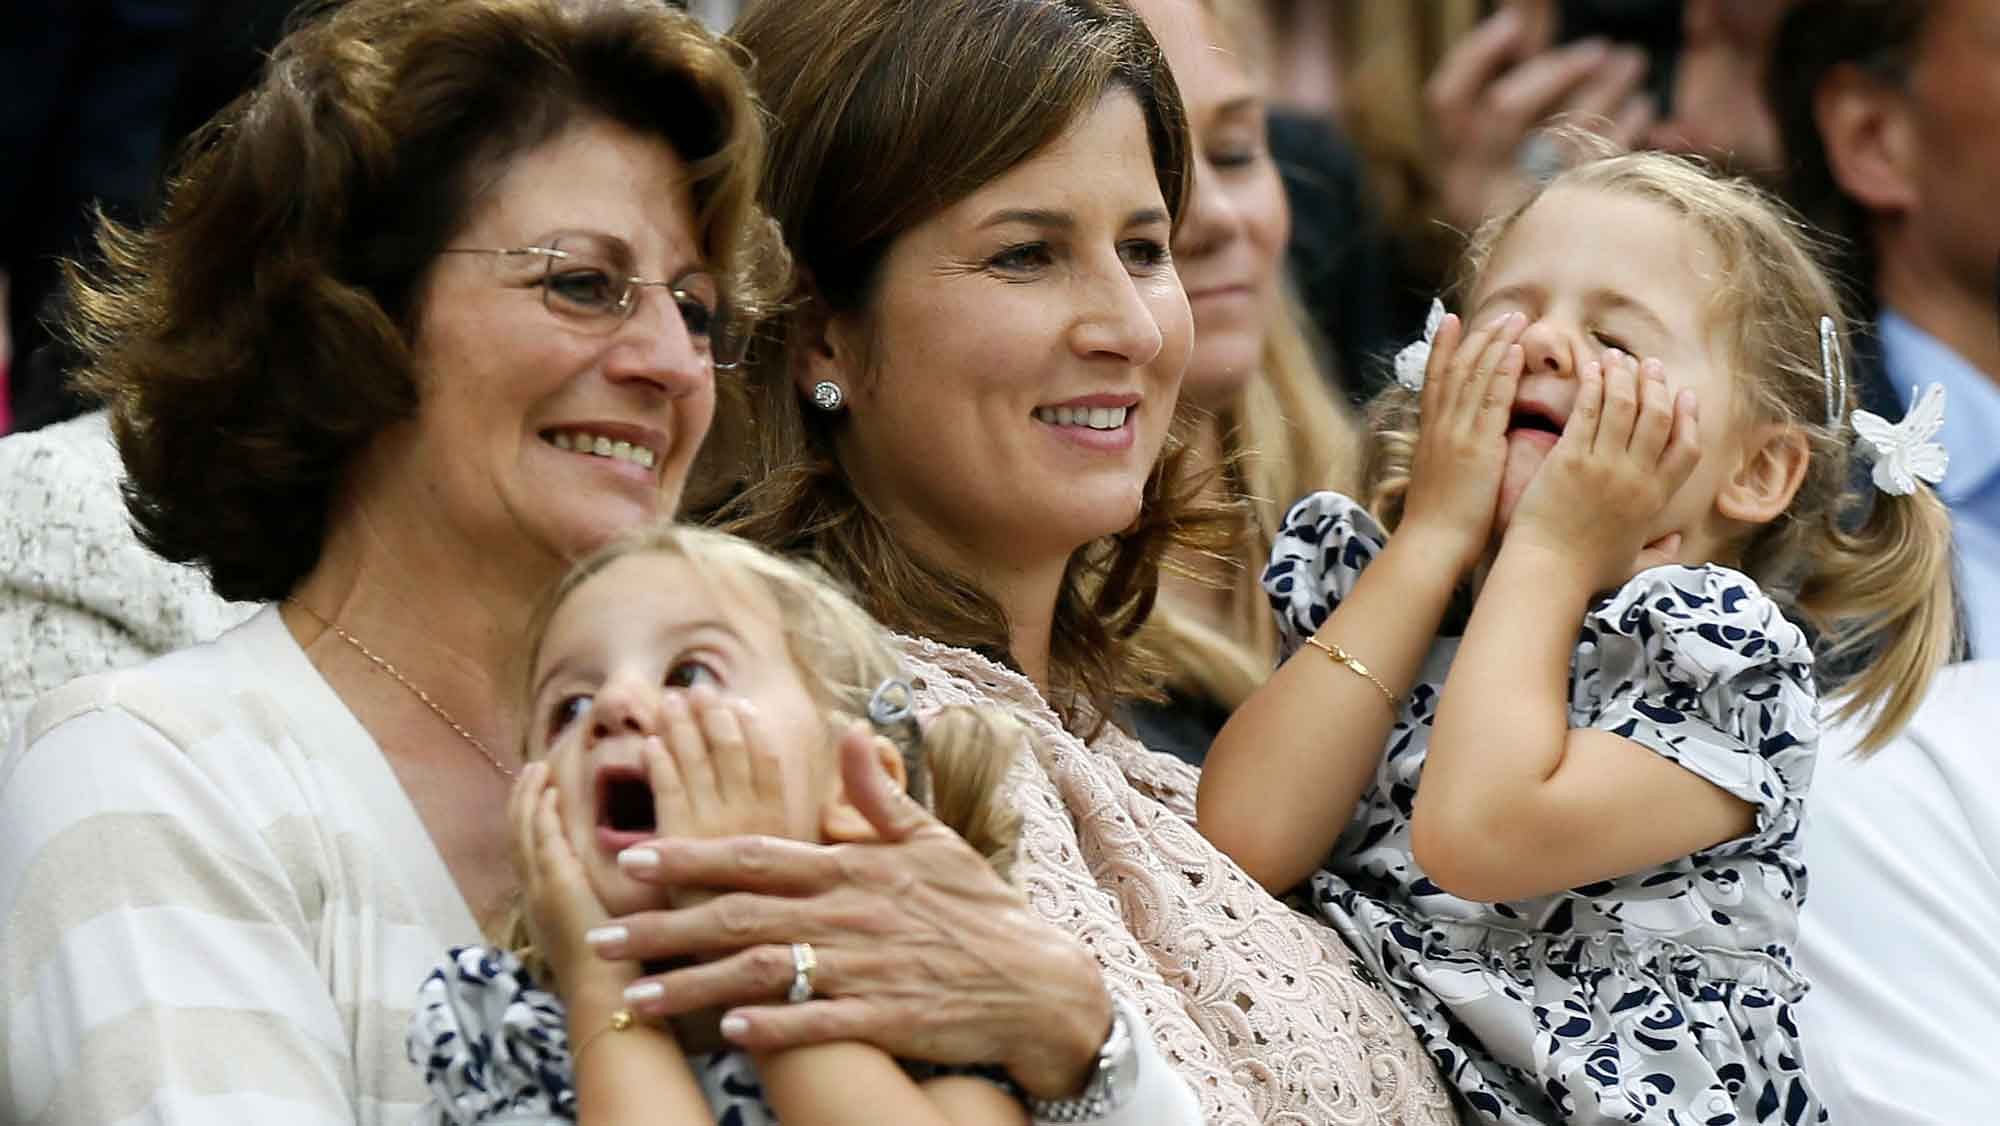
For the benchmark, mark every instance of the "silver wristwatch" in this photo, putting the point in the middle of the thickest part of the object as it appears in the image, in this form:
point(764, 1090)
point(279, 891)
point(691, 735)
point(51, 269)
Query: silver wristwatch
point(1112, 1080)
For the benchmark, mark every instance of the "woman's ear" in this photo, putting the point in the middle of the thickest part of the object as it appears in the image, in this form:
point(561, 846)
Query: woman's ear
point(1772, 469)
point(1864, 123)
point(817, 349)
point(839, 821)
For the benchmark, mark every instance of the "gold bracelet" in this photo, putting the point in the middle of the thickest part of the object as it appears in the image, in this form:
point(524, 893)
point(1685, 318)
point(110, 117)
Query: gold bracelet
point(1343, 657)
point(621, 1020)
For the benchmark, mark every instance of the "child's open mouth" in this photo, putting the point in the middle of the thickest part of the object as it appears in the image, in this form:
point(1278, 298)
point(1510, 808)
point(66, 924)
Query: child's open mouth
point(1537, 423)
point(625, 814)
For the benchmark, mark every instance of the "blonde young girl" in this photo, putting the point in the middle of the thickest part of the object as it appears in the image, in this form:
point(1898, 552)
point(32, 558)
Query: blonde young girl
point(1565, 836)
point(686, 682)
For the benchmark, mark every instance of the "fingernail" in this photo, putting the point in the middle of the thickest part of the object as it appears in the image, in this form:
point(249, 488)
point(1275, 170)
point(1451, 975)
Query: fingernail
point(1499, 321)
point(605, 936)
point(640, 992)
point(641, 860)
point(675, 702)
point(733, 1026)
point(743, 706)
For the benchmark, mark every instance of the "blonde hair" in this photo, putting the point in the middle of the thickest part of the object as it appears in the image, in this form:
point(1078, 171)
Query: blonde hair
point(957, 759)
point(843, 656)
point(1388, 50)
point(1283, 436)
point(1869, 572)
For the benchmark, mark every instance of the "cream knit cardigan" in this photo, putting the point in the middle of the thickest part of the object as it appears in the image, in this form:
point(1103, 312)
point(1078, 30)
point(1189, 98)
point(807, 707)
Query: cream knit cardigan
point(78, 593)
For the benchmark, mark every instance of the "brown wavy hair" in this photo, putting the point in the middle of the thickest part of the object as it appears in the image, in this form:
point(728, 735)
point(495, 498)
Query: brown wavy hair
point(256, 337)
point(885, 113)
point(1869, 572)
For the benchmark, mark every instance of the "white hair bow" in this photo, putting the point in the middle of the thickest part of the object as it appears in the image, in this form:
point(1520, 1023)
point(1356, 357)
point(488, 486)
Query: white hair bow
point(1416, 355)
point(1903, 452)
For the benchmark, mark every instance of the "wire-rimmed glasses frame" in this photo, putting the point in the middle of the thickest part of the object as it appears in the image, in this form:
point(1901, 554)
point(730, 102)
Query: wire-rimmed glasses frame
point(595, 295)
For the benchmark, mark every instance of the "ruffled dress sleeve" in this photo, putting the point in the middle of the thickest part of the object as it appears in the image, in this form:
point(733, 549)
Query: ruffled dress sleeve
point(1322, 547)
point(1700, 666)
point(492, 1045)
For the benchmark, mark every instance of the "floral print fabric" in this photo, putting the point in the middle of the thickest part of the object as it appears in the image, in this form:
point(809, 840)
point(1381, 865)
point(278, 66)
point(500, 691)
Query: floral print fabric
point(1664, 996)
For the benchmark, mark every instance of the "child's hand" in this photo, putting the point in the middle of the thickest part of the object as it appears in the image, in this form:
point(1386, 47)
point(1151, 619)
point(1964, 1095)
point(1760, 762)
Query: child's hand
point(1468, 396)
point(714, 773)
point(556, 893)
point(1627, 448)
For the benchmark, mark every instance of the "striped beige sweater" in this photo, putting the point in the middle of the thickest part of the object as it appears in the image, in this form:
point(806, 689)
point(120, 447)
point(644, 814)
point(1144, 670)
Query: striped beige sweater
point(218, 902)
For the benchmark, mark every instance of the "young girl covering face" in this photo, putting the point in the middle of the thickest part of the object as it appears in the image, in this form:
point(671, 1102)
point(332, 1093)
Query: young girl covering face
point(686, 683)
point(1566, 836)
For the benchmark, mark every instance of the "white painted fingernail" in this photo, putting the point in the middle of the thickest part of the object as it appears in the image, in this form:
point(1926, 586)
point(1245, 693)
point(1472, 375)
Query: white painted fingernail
point(640, 992)
point(604, 936)
point(639, 859)
point(733, 1026)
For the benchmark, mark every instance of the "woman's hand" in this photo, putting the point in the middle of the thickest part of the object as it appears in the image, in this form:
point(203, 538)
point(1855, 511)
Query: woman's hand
point(1627, 448)
point(922, 949)
point(561, 907)
point(1467, 398)
point(1503, 81)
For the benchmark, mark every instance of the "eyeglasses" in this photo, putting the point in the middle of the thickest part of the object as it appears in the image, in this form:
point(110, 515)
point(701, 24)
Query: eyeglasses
point(583, 284)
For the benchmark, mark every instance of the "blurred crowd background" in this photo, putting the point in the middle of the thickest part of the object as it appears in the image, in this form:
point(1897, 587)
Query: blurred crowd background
point(1398, 124)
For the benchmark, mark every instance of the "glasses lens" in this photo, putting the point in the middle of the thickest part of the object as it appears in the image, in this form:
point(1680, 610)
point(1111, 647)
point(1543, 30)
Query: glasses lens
point(708, 319)
point(584, 285)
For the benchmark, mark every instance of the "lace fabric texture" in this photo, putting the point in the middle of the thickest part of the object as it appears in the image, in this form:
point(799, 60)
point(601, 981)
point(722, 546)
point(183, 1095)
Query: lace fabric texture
point(1260, 1007)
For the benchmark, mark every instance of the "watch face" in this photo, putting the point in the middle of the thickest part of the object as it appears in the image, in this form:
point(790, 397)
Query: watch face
point(1118, 1064)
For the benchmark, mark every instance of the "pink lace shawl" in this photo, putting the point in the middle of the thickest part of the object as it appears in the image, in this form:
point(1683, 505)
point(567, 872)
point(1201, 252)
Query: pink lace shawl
point(1258, 1005)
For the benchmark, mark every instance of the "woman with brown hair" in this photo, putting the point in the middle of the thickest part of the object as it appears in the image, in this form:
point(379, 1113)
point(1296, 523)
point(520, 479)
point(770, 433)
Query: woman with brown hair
point(966, 417)
point(431, 312)
point(1268, 426)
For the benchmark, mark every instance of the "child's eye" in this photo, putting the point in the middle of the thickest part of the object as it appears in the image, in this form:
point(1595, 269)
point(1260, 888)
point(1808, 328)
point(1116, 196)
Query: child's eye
point(688, 672)
point(1610, 341)
point(567, 711)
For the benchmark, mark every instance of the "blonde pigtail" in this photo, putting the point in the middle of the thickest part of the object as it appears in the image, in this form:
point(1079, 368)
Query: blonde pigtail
point(1391, 450)
point(1882, 594)
point(967, 752)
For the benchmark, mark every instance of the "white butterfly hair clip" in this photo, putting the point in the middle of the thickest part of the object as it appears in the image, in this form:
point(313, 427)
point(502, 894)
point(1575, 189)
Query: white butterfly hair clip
point(1416, 355)
point(1903, 452)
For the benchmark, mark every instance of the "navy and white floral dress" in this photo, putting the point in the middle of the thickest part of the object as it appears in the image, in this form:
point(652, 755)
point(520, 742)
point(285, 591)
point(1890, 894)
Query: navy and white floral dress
point(1665, 996)
point(494, 1050)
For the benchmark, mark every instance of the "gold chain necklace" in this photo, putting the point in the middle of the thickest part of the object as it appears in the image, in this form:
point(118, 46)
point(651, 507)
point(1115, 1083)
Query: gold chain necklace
point(405, 682)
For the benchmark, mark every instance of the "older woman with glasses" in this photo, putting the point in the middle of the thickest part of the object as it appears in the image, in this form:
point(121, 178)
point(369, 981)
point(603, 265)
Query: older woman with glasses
point(394, 356)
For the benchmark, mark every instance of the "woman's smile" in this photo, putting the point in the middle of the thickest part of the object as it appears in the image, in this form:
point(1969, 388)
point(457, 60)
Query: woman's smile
point(1093, 422)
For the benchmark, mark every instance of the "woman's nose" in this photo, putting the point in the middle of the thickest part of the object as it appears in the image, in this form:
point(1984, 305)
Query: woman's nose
point(1210, 219)
point(654, 346)
point(1117, 323)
